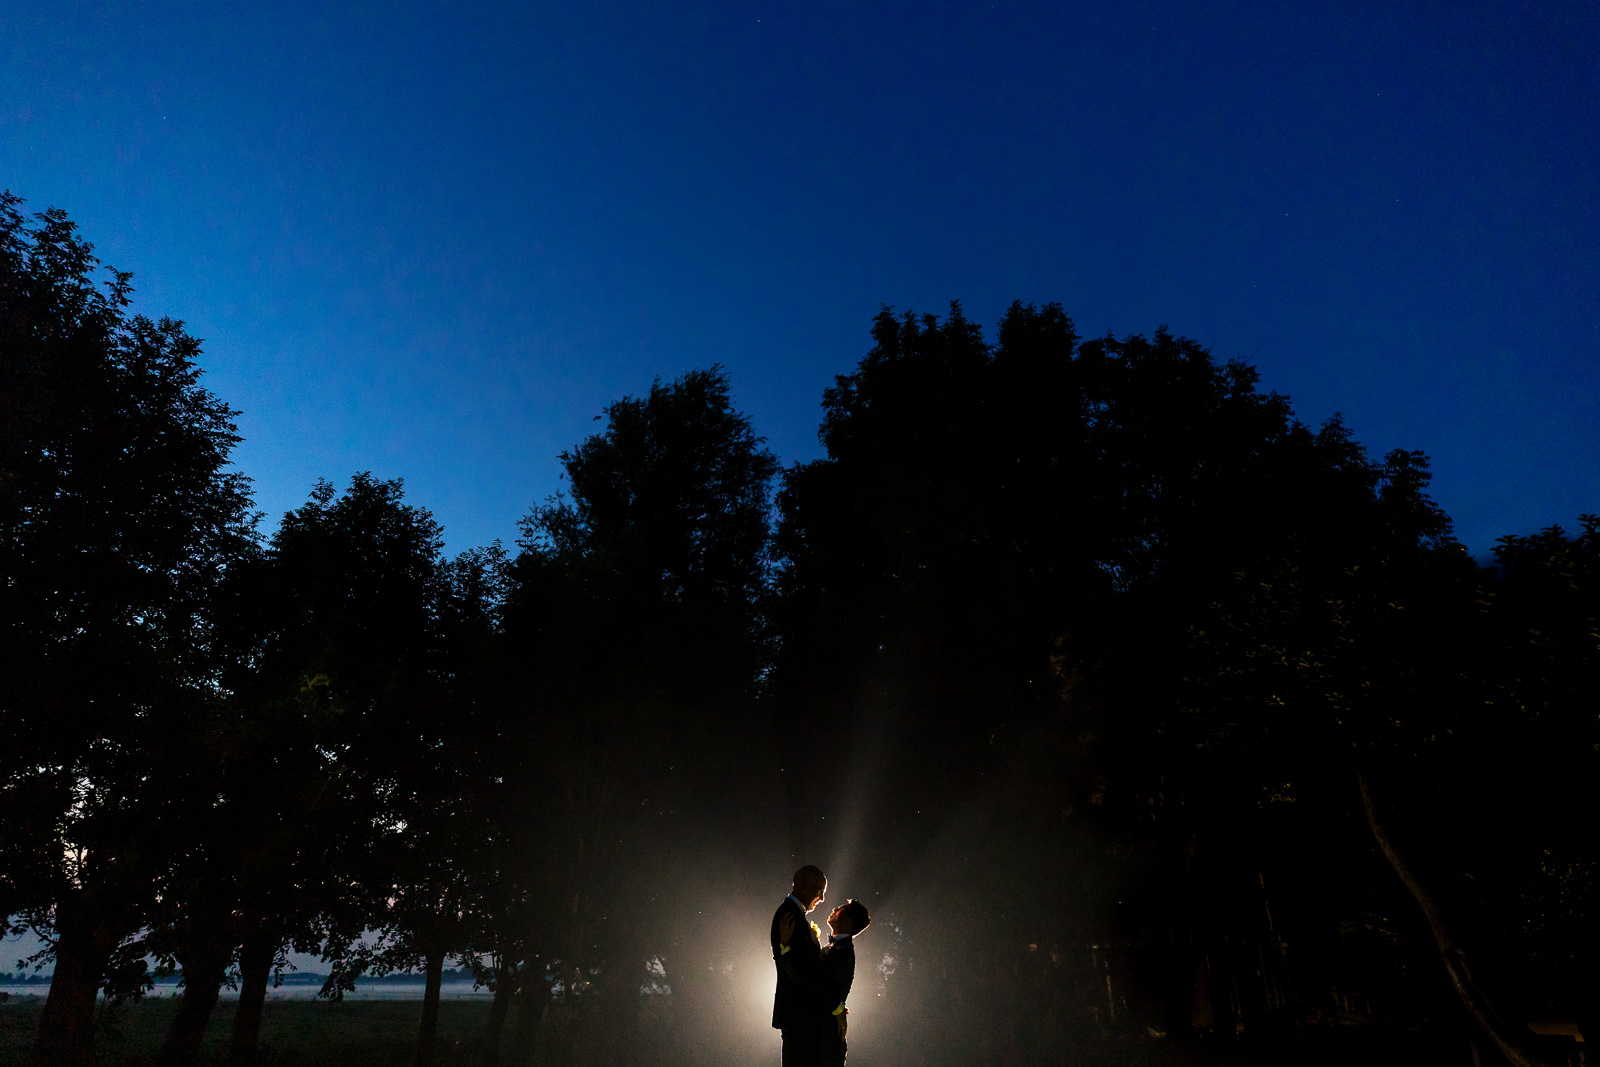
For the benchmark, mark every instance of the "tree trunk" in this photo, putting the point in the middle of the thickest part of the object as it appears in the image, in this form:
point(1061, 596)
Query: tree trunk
point(1452, 952)
point(66, 1026)
point(505, 988)
point(427, 1037)
point(1180, 959)
point(531, 1000)
point(255, 968)
point(203, 974)
point(1224, 993)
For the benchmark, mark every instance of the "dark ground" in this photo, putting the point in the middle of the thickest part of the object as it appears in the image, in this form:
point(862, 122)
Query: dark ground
point(366, 1033)
point(362, 1033)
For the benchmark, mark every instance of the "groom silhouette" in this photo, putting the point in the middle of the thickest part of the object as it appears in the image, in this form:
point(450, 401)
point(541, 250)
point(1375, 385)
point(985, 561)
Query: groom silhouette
point(805, 1021)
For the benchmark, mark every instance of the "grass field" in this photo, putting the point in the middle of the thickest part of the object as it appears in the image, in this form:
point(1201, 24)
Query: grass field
point(382, 1033)
point(369, 1033)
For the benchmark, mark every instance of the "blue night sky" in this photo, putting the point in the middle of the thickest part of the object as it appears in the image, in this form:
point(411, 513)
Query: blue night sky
point(434, 240)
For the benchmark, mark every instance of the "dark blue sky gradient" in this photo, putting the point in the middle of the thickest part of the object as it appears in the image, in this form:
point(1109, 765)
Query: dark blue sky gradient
point(434, 240)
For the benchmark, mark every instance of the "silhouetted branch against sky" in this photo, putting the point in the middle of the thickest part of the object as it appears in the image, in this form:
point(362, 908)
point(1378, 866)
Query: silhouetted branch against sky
point(435, 243)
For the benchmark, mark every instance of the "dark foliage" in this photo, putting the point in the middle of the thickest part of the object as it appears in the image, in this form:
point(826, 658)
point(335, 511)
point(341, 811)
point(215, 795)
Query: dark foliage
point(1143, 714)
point(118, 520)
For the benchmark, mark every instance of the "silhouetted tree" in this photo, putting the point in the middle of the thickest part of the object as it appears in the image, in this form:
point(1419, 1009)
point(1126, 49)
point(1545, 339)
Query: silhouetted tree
point(1450, 695)
point(194, 923)
point(993, 575)
point(1102, 639)
point(1545, 606)
point(343, 673)
point(446, 852)
point(511, 912)
point(118, 517)
point(636, 608)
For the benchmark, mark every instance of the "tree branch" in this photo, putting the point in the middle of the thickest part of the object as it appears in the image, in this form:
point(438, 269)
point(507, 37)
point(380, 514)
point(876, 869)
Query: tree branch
point(1451, 952)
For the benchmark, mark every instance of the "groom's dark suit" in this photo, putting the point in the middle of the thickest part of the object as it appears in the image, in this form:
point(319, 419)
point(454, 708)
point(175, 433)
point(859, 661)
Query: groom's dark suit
point(795, 1009)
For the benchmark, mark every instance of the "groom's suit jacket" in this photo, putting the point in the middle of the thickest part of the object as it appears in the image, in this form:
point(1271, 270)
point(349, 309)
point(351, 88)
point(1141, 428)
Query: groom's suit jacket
point(794, 1008)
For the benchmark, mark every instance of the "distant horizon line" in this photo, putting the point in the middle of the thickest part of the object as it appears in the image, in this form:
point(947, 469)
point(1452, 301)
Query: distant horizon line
point(296, 977)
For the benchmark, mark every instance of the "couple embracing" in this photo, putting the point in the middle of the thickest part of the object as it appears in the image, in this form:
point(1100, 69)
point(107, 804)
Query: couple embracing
point(813, 979)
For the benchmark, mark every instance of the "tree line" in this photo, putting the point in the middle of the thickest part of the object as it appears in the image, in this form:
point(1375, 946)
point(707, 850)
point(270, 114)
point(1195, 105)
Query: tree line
point(1112, 655)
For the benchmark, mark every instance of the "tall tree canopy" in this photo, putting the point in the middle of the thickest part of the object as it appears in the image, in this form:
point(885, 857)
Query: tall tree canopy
point(994, 575)
point(636, 620)
point(1095, 640)
point(1003, 514)
point(118, 517)
point(667, 516)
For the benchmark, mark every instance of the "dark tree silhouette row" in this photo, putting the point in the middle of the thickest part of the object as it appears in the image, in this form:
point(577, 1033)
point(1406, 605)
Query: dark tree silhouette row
point(1115, 658)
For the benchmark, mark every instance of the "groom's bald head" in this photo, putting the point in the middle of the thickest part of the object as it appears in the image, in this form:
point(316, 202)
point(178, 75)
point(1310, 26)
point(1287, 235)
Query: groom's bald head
point(809, 885)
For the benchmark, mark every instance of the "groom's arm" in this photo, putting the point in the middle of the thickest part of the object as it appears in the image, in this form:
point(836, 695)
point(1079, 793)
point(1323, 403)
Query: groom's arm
point(828, 981)
point(812, 978)
point(800, 956)
point(801, 960)
point(838, 973)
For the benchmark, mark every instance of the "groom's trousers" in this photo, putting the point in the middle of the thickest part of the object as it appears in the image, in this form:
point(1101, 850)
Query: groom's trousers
point(802, 1049)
